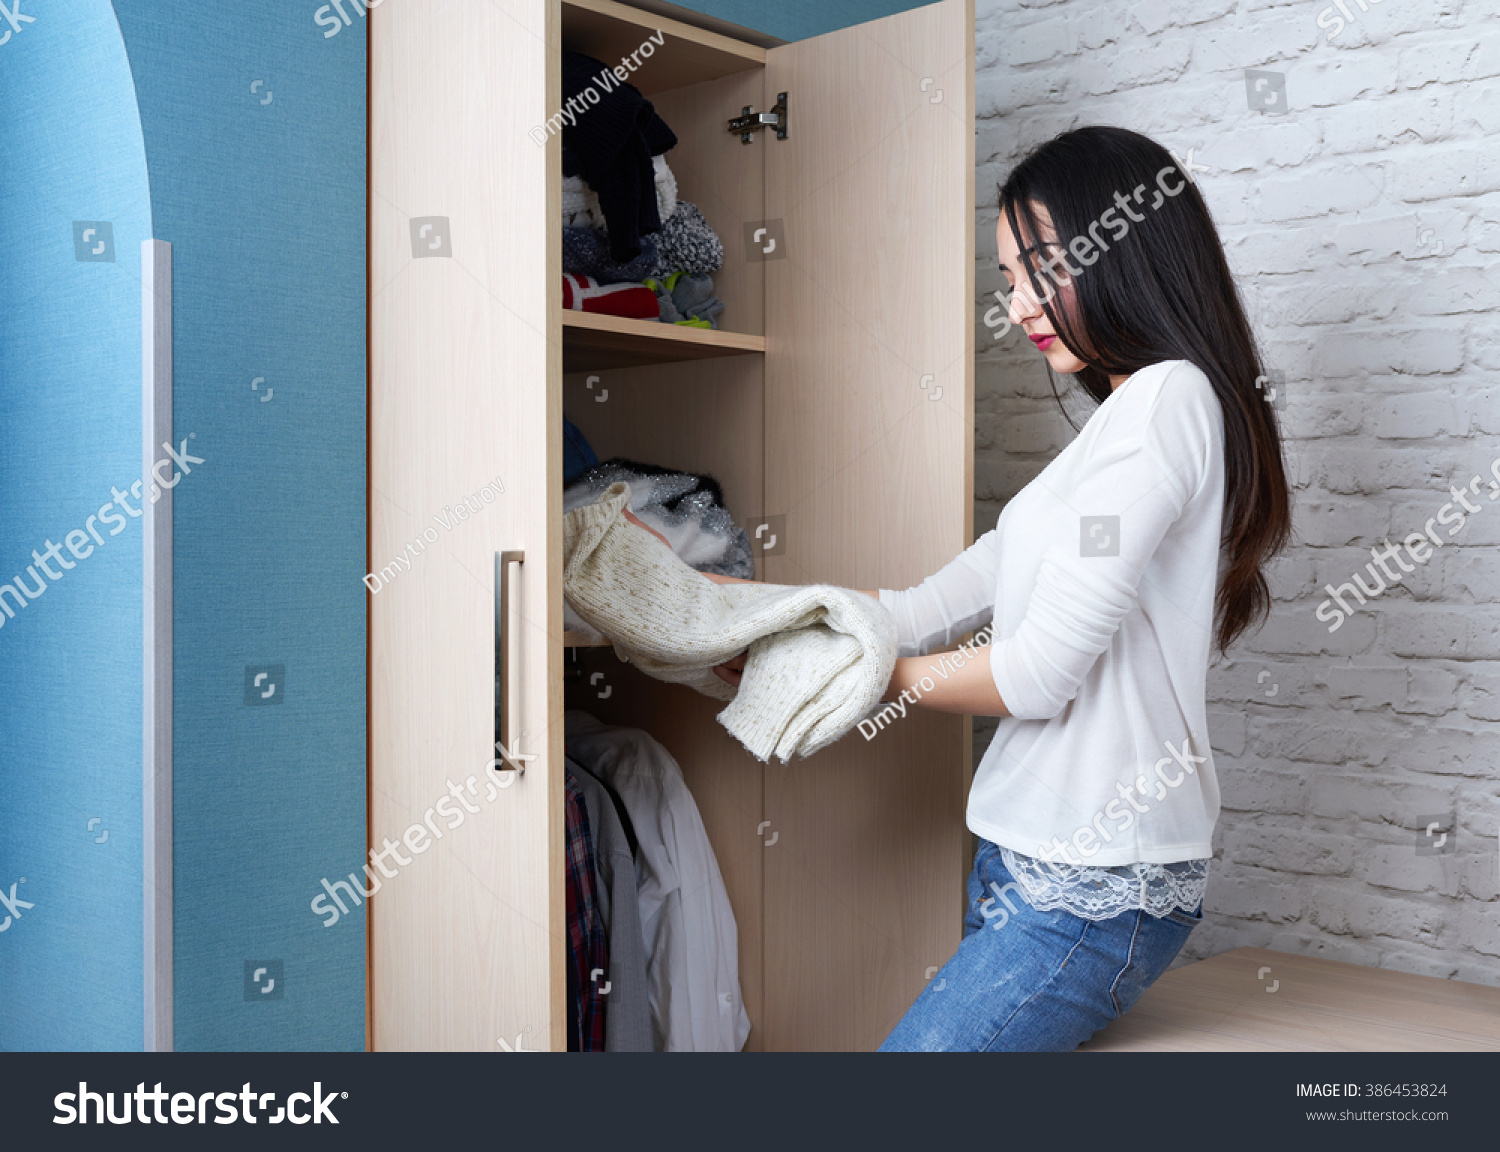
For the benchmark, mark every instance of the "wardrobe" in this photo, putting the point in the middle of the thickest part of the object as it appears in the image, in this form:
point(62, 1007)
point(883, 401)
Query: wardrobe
point(834, 404)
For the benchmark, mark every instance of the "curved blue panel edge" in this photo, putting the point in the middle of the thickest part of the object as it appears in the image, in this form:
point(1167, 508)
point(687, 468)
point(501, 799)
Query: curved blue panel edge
point(74, 198)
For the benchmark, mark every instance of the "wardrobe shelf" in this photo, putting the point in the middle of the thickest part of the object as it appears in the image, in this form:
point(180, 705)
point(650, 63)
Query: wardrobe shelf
point(607, 31)
point(592, 343)
point(579, 640)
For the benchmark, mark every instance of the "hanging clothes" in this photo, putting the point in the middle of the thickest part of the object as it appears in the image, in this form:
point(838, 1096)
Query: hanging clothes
point(688, 926)
point(587, 957)
point(627, 1022)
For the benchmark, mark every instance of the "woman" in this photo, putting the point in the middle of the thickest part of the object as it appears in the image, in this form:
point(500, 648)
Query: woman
point(1106, 581)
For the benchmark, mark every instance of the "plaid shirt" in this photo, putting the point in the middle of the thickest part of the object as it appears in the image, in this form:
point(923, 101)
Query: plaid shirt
point(586, 937)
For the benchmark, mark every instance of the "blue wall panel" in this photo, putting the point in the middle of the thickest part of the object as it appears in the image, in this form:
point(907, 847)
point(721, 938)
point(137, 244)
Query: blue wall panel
point(797, 19)
point(70, 418)
point(254, 127)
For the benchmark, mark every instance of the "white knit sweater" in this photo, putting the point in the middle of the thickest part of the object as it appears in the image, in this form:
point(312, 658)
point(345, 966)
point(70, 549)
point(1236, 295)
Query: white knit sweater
point(819, 657)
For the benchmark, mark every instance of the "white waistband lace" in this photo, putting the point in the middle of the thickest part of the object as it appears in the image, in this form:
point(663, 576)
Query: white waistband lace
point(1102, 893)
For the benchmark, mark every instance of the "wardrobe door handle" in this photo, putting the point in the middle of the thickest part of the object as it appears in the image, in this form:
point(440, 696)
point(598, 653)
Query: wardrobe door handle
point(507, 737)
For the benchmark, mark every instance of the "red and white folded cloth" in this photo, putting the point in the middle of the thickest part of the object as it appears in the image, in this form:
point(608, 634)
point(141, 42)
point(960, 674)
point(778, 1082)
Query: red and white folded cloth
point(585, 294)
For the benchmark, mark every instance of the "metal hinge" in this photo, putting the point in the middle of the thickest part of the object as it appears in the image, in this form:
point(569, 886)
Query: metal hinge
point(750, 121)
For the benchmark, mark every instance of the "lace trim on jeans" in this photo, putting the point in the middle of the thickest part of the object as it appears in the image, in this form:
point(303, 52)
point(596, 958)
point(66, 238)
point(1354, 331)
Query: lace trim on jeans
point(1102, 893)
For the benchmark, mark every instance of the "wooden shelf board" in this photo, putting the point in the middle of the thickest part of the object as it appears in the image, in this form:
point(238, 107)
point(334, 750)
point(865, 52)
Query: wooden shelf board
point(687, 55)
point(579, 640)
point(592, 342)
point(1226, 1004)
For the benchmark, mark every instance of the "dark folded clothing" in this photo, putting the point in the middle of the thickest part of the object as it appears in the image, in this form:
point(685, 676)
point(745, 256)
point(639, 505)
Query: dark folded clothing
point(610, 144)
point(586, 251)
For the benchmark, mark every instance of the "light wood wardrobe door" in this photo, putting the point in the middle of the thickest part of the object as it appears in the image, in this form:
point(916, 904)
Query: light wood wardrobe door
point(869, 458)
point(465, 217)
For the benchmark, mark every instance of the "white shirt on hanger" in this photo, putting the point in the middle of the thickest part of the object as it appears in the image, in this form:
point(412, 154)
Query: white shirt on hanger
point(691, 940)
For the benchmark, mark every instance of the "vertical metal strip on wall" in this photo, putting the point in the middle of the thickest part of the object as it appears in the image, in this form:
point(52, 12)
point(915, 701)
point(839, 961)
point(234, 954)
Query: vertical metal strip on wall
point(156, 571)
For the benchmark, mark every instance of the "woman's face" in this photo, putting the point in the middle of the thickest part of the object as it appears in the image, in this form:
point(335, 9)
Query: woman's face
point(1025, 309)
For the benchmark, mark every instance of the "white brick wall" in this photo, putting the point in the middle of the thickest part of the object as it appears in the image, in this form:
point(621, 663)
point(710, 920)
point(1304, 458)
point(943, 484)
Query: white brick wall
point(1362, 226)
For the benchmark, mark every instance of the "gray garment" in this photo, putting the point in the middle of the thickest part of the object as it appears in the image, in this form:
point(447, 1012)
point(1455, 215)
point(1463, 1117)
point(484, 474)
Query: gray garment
point(627, 1006)
point(687, 244)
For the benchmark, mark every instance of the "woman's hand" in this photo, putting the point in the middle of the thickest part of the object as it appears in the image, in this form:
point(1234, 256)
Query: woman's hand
point(639, 523)
point(730, 670)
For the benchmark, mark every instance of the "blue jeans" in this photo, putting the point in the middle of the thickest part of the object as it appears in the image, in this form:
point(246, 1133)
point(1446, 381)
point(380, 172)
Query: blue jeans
point(1029, 981)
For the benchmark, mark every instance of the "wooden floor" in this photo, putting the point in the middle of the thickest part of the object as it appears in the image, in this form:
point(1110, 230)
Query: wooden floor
point(1256, 1000)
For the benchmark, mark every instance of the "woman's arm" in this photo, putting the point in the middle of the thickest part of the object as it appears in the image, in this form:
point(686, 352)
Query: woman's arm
point(968, 687)
point(942, 681)
point(948, 682)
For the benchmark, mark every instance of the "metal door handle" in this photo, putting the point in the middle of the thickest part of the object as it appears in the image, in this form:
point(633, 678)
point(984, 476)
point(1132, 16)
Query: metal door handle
point(507, 734)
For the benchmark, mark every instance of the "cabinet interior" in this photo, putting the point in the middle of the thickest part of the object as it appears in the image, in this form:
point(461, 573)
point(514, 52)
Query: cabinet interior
point(688, 399)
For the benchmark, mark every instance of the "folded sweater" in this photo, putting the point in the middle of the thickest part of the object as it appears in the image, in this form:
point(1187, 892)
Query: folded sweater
point(819, 657)
point(585, 294)
point(586, 252)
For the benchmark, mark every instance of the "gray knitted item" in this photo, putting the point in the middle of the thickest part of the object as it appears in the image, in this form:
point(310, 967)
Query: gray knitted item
point(820, 657)
point(586, 252)
point(686, 243)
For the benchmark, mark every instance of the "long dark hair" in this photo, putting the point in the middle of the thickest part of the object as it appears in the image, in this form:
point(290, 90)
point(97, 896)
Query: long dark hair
point(1161, 291)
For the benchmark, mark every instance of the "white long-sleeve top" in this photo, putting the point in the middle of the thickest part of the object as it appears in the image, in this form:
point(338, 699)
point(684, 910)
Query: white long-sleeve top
point(1099, 578)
